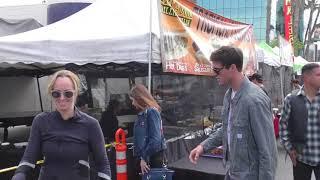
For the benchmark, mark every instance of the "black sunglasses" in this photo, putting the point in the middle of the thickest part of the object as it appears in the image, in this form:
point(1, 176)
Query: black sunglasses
point(217, 70)
point(58, 94)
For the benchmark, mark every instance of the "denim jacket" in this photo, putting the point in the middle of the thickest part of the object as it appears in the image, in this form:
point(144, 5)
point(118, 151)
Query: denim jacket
point(148, 134)
point(253, 153)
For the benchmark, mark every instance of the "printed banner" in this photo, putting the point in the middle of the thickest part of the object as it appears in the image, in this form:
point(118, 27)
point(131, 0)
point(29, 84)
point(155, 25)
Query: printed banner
point(287, 11)
point(190, 34)
point(286, 52)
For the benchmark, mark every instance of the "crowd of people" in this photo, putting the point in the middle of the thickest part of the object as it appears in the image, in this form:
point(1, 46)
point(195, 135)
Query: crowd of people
point(66, 137)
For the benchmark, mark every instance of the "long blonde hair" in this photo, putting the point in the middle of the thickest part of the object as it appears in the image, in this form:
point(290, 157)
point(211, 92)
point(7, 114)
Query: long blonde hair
point(143, 97)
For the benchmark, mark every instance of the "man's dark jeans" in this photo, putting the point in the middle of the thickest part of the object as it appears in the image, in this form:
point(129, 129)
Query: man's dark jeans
point(303, 171)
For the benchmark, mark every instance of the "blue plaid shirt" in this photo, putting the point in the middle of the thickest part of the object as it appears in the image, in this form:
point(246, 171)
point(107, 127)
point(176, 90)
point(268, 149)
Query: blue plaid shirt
point(311, 151)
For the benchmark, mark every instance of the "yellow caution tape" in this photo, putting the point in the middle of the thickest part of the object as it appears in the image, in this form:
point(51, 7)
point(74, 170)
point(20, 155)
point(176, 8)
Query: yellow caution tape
point(15, 167)
point(39, 162)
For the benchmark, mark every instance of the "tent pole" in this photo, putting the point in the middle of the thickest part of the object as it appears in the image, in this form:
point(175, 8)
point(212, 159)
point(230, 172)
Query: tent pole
point(39, 92)
point(281, 67)
point(281, 84)
point(150, 48)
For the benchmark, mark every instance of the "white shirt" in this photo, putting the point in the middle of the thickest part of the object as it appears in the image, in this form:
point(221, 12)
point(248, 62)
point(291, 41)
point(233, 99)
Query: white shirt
point(233, 93)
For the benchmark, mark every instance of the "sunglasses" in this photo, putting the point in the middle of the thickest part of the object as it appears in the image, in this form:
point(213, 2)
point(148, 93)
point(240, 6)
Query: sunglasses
point(58, 94)
point(217, 70)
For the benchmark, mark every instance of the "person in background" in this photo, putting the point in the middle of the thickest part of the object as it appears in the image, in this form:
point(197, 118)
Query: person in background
point(64, 138)
point(247, 136)
point(300, 127)
point(257, 79)
point(295, 84)
point(149, 141)
point(82, 102)
point(109, 121)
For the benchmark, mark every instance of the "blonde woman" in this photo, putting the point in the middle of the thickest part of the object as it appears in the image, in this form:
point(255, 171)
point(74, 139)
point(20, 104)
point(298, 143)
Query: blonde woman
point(149, 142)
point(64, 138)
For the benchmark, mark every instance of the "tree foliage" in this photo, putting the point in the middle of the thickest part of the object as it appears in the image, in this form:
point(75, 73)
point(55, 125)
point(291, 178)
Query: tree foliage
point(314, 7)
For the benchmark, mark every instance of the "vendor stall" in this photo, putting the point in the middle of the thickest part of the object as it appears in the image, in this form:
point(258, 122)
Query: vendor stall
point(120, 39)
point(91, 42)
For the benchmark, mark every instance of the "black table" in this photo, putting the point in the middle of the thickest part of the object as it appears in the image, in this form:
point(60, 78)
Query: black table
point(212, 168)
point(15, 119)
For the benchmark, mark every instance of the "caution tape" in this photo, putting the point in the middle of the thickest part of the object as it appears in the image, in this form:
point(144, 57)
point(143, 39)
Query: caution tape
point(41, 161)
point(15, 167)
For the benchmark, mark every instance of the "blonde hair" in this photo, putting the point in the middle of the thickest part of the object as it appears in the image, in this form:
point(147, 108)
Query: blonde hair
point(65, 73)
point(143, 97)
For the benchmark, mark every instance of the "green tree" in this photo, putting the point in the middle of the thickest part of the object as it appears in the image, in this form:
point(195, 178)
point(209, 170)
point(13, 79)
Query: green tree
point(314, 7)
point(297, 14)
point(297, 45)
point(274, 43)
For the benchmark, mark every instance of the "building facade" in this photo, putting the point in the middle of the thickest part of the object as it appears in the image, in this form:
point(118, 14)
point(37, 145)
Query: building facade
point(253, 12)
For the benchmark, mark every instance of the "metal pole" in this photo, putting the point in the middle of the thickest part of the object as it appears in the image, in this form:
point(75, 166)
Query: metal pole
point(150, 47)
point(281, 67)
point(281, 84)
point(106, 93)
point(315, 52)
point(39, 92)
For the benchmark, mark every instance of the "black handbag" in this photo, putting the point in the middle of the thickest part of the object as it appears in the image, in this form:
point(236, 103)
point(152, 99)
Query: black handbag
point(158, 174)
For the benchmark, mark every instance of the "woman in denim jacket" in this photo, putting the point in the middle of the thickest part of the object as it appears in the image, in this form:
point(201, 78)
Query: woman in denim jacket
point(149, 142)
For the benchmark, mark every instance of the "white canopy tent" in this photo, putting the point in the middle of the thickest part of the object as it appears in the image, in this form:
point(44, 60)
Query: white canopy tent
point(298, 63)
point(107, 31)
point(266, 55)
point(276, 75)
point(14, 26)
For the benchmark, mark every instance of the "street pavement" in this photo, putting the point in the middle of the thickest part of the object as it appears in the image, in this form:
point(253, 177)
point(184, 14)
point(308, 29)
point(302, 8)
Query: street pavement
point(284, 171)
